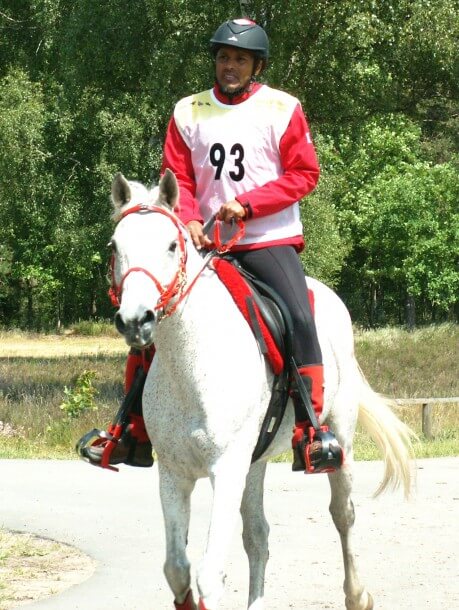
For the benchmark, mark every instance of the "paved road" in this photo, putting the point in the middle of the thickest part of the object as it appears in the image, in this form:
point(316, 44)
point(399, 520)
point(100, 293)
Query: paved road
point(408, 551)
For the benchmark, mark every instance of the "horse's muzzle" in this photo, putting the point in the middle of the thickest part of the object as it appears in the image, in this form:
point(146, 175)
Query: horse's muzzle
point(137, 331)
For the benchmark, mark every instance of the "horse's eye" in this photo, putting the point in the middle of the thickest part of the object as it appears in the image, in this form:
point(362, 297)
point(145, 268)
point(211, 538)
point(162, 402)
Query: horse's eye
point(112, 245)
point(173, 247)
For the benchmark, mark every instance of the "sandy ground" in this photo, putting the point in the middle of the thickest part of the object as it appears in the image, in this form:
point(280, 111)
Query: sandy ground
point(407, 551)
point(32, 568)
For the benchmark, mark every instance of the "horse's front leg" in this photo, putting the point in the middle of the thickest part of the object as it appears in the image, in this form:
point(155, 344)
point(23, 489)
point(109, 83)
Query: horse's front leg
point(255, 533)
point(228, 482)
point(175, 492)
point(342, 512)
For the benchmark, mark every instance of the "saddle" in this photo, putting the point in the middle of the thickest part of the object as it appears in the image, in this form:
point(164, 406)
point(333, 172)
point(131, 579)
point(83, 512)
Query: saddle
point(271, 323)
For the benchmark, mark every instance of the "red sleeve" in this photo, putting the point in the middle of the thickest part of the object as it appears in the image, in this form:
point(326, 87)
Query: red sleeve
point(301, 172)
point(177, 157)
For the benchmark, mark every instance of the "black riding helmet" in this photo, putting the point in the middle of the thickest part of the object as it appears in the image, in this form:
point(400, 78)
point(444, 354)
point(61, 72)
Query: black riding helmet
point(243, 34)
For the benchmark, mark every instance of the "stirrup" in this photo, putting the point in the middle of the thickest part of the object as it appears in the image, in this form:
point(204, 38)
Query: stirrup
point(99, 437)
point(331, 455)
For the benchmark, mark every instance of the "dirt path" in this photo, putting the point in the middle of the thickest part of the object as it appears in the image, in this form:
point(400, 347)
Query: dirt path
point(407, 551)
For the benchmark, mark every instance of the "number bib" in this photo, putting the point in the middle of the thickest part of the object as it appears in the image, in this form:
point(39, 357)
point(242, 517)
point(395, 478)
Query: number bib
point(235, 149)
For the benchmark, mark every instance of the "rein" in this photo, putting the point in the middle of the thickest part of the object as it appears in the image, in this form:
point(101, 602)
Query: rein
point(176, 287)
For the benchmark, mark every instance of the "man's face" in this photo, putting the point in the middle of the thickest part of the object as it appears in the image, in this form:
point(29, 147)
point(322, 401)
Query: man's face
point(234, 68)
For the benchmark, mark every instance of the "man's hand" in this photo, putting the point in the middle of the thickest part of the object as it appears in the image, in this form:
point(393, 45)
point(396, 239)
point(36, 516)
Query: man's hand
point(197, 235)
point(231, 210)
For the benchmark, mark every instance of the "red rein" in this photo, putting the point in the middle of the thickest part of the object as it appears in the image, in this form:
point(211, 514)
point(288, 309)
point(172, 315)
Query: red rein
point(177, 284)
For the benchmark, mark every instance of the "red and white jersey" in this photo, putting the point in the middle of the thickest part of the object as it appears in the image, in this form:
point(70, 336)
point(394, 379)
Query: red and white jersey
point(238, 151)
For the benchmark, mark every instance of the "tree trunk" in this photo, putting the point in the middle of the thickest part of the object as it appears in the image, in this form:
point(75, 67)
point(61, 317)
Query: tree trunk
point(373, 304)
point(410, 312)
point(29, 305)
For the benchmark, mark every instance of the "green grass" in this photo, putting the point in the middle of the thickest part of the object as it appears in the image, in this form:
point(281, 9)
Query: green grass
point(397, 364)
point(31, 392)
point(88, 328)
point(403, 364)
point(445, 443)
point(424, 364)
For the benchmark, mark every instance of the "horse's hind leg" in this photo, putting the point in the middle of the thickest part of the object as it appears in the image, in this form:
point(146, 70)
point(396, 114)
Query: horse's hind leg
point(175, 499)
point(255, 533)
point(342, 512)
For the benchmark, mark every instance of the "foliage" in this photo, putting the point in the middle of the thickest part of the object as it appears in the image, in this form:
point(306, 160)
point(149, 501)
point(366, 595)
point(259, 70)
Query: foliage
point(80, 399)
point(401, 214)
point(87, 88)
point(326, 244)
point(93, 328)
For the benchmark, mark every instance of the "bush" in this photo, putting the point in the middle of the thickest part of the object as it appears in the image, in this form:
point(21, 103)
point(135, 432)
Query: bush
point(90, 328)
point(81, 398)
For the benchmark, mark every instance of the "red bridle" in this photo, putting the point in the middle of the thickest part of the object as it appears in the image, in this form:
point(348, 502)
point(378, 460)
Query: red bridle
point(176, 286)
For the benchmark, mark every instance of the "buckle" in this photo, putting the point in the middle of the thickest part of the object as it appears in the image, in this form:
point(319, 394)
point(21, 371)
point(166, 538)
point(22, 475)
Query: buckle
point(332, 455)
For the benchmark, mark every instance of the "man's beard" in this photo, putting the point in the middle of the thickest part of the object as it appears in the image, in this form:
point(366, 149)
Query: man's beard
point(236, 92)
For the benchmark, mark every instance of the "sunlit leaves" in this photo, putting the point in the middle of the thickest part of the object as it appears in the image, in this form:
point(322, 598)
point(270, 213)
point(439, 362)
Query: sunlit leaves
point(88, 87)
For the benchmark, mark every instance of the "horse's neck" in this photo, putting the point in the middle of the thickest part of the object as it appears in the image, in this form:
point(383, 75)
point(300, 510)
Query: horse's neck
point(208, 364)
point(207, 325)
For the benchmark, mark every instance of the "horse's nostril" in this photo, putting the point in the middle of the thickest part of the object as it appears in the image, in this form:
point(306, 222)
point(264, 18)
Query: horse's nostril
point(148, 316)
point(120, 325)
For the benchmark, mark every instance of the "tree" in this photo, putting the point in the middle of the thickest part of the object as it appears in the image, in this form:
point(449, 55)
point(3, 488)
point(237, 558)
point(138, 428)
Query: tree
point(400, 213)
point(89, 88)
point(25, 185)
point(326, 244)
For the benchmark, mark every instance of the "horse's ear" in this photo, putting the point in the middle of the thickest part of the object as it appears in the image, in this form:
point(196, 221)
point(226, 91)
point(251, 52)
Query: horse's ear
point(168, 189)
point(121, 191)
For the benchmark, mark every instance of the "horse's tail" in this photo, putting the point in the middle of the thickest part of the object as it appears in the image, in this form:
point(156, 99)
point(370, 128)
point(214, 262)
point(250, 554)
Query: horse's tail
point(391, 435)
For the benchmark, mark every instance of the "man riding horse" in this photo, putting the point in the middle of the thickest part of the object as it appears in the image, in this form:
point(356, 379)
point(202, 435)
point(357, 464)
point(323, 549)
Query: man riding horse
point(243, 151)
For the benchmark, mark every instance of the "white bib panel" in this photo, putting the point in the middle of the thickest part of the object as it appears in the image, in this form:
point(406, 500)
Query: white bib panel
point(235, 149)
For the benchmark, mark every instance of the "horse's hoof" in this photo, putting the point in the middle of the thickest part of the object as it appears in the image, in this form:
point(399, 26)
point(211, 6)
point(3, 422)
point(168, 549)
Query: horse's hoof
point(355, 604)
point(188, 603)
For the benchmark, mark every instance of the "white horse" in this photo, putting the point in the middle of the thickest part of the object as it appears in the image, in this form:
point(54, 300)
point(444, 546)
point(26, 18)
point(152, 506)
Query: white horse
point(208, 389)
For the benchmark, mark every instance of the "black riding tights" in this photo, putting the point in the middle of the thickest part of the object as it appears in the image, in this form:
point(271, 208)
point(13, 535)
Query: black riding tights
point(279, 267)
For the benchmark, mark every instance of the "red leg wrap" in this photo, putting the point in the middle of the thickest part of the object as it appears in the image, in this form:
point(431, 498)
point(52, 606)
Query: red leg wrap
point(201, 605)
point(188, 604)
point(137, 428)
point(316, 374)
point(298, 432)
point(134, 360)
